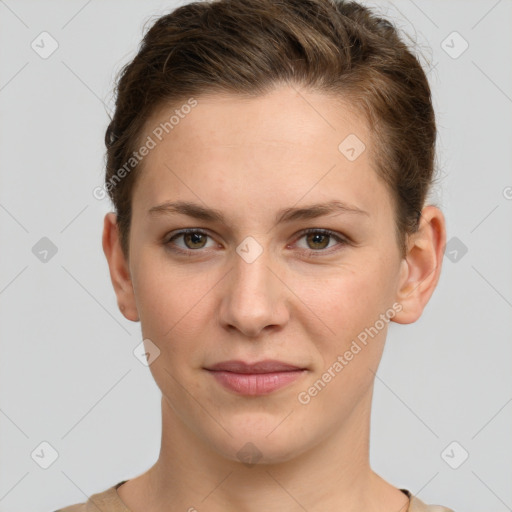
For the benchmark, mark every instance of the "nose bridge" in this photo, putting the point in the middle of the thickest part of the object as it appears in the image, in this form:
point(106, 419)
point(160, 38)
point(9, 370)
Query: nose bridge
point(253, 297)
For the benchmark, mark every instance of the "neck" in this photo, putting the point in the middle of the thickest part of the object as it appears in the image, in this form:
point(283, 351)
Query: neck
point(332, 475)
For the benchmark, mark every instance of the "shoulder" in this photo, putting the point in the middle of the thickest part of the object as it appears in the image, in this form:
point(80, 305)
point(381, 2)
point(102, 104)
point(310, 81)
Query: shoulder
point(106, 501)
point(79, 507)
point(417, 505)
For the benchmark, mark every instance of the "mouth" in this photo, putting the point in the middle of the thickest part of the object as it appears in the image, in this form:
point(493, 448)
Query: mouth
point(258, 378)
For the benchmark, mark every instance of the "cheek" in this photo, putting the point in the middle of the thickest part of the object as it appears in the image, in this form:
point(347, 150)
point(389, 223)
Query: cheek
point(169, 299)
point(172, 310)
point(350, 305)
point(347, 300)
point(346, 307)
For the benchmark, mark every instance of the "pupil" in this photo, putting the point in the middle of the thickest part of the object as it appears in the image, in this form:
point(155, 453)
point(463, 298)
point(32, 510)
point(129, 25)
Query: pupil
point(196, 237)
point(318, 235)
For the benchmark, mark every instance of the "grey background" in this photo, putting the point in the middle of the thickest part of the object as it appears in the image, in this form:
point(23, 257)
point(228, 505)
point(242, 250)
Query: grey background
point(67, 372)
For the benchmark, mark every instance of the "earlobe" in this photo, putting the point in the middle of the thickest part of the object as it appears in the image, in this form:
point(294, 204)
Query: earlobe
point(118, 267)
point(421, 268)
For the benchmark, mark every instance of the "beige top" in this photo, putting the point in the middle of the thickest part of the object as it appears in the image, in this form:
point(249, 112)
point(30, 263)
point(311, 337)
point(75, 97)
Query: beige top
point(109, 501)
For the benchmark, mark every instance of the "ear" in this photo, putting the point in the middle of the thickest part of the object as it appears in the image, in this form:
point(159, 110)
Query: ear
point(421, 268)
point(119, 269)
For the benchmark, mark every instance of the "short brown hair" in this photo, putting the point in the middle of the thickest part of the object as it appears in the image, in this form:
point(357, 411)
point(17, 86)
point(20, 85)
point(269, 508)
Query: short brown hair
point(249, 47)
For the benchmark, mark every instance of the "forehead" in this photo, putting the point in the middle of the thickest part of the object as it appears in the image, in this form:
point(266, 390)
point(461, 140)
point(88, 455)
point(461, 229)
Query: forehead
point(283, 117)
point(284, 145)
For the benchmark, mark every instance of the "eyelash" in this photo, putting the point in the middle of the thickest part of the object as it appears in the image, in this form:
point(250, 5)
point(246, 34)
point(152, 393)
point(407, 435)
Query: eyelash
point(310, 252)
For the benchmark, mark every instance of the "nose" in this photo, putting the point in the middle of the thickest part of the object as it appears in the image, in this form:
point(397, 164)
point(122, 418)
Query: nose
point(254, 296)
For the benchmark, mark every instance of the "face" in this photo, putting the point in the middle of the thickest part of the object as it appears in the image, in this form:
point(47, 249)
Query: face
point(268, 277)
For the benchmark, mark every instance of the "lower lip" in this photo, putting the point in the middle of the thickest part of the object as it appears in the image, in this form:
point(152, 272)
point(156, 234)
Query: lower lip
point(255, 383)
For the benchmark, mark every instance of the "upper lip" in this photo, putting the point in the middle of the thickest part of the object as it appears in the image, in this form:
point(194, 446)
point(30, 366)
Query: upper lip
point(266, 366)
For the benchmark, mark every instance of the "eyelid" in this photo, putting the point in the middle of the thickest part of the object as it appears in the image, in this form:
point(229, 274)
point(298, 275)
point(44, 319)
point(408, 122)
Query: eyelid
point(341, 239)
point(176, 234)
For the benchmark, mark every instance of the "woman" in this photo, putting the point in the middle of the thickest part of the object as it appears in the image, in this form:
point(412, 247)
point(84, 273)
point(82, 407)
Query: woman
point(269, 164)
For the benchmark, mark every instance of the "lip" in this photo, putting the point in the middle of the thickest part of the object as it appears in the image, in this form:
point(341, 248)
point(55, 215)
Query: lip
point(266, 366)
point(260, 378)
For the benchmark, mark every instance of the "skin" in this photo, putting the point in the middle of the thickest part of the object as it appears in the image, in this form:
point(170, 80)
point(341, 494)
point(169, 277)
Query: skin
point(250, 158)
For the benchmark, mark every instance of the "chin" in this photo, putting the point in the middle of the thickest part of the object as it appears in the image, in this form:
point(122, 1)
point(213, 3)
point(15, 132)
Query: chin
point(256, 446)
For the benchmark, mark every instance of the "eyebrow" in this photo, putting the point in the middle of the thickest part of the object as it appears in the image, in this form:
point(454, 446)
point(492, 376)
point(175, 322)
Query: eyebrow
point(285, 215)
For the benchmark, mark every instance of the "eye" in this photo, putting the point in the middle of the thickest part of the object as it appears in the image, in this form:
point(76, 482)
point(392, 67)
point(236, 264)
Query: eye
point(318, 240)
point(193, 239)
